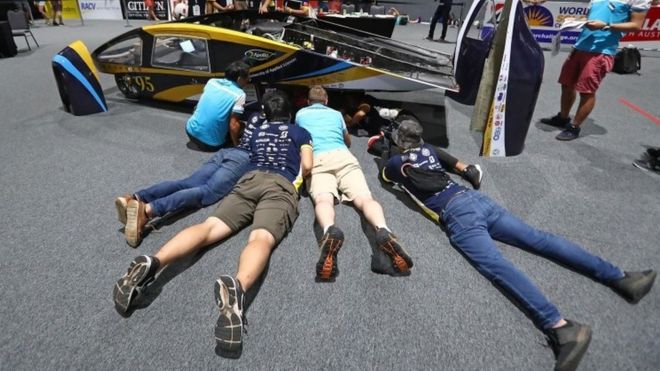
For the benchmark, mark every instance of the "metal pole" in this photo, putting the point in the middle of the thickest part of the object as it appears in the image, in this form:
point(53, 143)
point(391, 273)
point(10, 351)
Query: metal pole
point(128, 24)
point(82, 20)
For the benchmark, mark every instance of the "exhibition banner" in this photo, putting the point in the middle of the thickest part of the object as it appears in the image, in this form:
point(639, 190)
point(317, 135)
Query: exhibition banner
point(650, 28)
point(545, 20)
point(70, 9)
point(136, 9)
point(101, 9)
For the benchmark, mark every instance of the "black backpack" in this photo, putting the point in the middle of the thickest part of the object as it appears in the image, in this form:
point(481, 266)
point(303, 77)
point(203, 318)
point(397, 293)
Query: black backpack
point(627, 60)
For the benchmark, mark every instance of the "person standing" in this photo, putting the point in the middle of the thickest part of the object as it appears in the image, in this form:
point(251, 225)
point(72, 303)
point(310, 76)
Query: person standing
point(592, 58)
point(442, 10)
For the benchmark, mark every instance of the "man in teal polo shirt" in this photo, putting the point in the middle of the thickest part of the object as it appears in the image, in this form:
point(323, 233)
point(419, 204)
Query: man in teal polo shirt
point(219, 109)
point(593, 57)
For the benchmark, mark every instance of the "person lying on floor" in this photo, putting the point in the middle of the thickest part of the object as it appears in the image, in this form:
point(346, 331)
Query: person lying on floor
point(472, 221)
point(266, 197)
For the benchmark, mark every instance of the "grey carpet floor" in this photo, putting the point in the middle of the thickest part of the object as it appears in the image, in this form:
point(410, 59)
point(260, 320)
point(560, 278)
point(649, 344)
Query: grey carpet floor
point(62, 248)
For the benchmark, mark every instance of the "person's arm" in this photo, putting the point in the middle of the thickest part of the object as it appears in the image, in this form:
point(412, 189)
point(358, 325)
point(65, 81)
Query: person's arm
point(469, 172)
point(306, 160)
point(634, 24)
point(263, 8)
point(235, 129)
point(214, 4)
point(347, 139)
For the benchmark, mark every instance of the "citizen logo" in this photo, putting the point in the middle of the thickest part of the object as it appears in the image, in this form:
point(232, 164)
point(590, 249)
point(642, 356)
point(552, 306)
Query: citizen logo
point(258, 54)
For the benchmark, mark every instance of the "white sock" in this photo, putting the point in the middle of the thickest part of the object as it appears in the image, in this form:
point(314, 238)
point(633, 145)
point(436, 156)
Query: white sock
point(325, 230)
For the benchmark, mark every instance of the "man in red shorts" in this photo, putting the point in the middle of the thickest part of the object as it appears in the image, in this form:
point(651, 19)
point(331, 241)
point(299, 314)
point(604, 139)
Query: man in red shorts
point(593, 58)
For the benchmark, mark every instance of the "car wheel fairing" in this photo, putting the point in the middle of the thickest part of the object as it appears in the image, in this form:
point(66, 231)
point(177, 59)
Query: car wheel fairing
point(127, 86)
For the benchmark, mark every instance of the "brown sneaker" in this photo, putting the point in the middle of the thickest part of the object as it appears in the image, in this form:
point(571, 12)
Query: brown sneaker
point(120, 205)
point(136, 219)
point(387, 243)
point(364, 107)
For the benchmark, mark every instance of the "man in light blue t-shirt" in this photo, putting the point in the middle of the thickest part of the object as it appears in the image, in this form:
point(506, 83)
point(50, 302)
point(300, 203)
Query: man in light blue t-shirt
point(593, 57)
point(219, 109)
point(337, 175)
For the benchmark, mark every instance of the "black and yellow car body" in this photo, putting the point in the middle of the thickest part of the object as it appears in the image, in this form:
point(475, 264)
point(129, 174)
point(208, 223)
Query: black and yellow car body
point(173, 61)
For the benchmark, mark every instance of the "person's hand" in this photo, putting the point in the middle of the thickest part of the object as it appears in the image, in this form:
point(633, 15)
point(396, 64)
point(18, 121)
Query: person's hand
point(473, 174)
point(595, 25)
point(263, 9)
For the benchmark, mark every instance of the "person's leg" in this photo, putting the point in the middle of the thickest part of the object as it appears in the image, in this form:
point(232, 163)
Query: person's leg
point(507, 228)
point(445, 23)
point(156, 196)
point(466, 225)
point(371, 209)
point(324, 208)
point(254, 257)
point(144, 268)
point(434, 21)
point(586, 105)
point(567, 99)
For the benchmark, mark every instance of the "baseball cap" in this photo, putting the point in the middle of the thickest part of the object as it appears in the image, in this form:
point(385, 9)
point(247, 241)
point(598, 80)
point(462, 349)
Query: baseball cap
point(408, 134)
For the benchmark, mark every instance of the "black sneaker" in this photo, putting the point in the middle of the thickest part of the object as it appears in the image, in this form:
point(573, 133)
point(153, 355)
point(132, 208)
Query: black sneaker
point(556, 121)
point(326, 267)
point(387, 243)
point(229, 328)
point(140, 273)
point(569, 133)
point(653, 152)
point(647, 165)
point(634, 285)
point(473, 174)
point(569, 343)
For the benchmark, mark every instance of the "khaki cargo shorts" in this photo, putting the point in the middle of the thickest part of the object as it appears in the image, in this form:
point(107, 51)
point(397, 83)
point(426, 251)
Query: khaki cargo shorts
point(267, 200)
point(336, 172)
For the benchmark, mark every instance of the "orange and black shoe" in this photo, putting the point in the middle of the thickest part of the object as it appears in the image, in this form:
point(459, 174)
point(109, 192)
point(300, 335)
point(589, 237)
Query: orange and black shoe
point(386, 241)
point(326, 268)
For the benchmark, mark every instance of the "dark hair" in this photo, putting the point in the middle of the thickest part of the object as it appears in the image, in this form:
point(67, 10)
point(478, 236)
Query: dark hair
point(277, 106)
point(237, 69)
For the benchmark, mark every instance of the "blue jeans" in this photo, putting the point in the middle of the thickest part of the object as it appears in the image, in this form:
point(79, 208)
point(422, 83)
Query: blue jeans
point(473, 220)
point(206, 186)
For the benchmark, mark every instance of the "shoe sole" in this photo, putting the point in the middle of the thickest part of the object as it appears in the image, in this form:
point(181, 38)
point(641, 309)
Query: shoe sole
point(229, 327)
point(566, 139)
point(133, 238)
point(646, 285)
point(572, 362)
point(126, 288)
point(120, 205)
point(326, 267)
point(402, 262)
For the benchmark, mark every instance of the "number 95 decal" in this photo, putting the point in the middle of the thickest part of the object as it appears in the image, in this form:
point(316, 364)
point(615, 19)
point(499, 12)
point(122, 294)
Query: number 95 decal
point(144, 83)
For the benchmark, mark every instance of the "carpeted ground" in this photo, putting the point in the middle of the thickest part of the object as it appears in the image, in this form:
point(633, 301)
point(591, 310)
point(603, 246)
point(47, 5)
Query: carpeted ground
point(62, 247)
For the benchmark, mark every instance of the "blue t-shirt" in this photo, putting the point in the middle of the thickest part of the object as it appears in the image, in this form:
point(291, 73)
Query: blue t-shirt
point(210, 121)
point(275, 146)
point(610, 12)
point(326, 126)
point(426, 158)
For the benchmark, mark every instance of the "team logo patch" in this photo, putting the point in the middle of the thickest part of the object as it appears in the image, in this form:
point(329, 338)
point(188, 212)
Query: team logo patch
point(283, 127)
point(413, 157)
point(258, 54)
point(425, 152)
point(263, 127)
